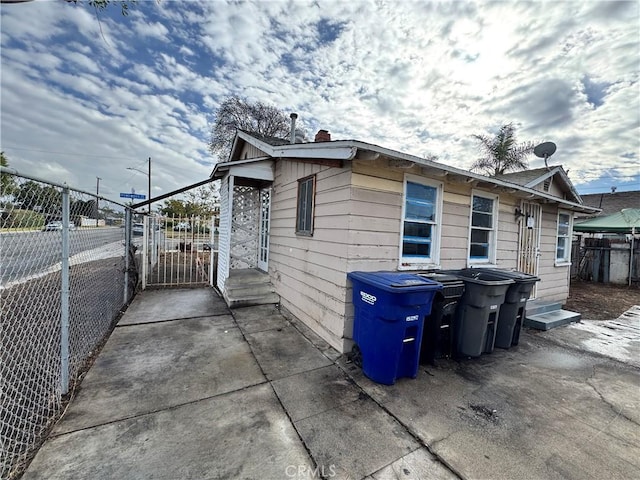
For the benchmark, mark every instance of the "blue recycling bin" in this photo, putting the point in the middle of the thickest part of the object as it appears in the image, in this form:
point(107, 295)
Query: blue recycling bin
point(389, 316)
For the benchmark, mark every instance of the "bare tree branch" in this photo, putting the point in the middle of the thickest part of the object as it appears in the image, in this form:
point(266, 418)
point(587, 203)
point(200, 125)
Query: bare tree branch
point(237, 113)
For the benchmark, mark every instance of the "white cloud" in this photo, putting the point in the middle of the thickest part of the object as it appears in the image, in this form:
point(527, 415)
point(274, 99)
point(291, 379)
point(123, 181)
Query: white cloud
point(416, 76)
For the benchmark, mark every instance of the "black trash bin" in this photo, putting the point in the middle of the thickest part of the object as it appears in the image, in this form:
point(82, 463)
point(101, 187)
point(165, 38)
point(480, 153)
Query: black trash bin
point(478, 311)
point(513, 309)
point(389, 311)
point(437, 333)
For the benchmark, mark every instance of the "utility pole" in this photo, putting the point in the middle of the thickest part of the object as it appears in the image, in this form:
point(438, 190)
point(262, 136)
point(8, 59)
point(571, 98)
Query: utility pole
point(97, 197)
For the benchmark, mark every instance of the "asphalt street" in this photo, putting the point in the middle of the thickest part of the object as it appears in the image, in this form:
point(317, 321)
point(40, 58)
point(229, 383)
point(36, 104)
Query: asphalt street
point(28, 253)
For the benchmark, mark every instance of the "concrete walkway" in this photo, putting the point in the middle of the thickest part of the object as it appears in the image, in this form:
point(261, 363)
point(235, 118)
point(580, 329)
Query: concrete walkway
point(185, 388)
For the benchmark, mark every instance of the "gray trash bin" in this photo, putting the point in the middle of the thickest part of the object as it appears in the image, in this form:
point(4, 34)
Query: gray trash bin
point(478, 311)
point(513, 309)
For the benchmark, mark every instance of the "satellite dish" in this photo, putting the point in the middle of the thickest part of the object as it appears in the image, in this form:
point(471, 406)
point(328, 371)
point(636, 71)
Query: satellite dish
point(545, 150)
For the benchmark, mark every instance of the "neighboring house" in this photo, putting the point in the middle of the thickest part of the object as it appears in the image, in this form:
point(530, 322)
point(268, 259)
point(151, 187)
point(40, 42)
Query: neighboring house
point(610, 204)
point(307, 214)
point(613, 202)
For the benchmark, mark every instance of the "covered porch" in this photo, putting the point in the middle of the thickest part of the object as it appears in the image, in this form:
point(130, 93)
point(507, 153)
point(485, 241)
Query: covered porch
point(245, 220)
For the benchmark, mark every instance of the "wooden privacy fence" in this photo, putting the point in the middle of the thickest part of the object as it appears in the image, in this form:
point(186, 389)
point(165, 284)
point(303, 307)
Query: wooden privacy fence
point(606, 260)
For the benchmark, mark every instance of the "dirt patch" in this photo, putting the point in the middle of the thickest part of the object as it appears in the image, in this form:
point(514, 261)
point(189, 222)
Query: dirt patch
point(599, 301)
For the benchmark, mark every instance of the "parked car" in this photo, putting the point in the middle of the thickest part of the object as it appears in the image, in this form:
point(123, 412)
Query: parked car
point(182, 226)
point(57, 226)
point(138, 229)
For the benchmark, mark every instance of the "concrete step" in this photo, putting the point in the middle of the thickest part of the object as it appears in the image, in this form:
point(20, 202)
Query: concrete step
point(535, 308)
point(243, 278)
point(254, 290)
point(552, 319)
point(250, 300)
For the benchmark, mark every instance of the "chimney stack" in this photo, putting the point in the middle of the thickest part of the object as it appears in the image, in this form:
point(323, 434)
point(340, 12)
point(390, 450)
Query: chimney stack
point(323, 136)
point(293, 117)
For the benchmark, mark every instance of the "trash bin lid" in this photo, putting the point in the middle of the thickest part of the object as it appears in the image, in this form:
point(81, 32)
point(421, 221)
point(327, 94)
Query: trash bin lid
point(518, 277)
point(483, 277)
point(441, 277)
point(395, 282)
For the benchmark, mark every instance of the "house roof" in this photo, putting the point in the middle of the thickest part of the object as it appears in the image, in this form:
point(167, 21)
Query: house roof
point(626, 220)
point(533, 178)
point(612, 202)
point(357, 150)
point(274, 141)
point(524, 177)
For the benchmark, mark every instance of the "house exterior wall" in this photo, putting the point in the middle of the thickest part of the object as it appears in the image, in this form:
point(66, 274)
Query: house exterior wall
point(554, 189)
point(554, 279)
point(357, 226)
point(375, 226)
point(309, 273)
point(249, 151)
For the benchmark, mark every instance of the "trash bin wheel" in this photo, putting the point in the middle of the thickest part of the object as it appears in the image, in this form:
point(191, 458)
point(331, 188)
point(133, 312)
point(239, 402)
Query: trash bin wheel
point(356, 355)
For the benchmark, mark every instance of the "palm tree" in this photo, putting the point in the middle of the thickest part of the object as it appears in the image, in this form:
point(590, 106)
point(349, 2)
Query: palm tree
point(501, 153)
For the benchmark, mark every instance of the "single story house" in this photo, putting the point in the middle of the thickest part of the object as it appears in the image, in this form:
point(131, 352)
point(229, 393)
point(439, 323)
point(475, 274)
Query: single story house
point(306, 214)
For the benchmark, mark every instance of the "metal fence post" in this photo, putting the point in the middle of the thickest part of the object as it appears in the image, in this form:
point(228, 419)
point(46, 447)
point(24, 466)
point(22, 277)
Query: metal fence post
point(145, 251)
point(212, 227)
point(127, 248)
point(64, 297)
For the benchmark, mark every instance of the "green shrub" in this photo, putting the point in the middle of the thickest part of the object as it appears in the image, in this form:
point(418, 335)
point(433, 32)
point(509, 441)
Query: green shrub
point(23, 219)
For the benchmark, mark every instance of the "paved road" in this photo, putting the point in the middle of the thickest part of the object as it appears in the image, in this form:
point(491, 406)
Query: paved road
point(24, 254)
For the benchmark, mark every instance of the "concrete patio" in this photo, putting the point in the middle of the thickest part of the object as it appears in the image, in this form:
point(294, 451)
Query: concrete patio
point(186, 388)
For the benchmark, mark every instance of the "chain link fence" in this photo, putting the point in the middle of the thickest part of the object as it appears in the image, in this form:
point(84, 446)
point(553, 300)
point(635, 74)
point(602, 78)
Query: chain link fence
point(67, 269)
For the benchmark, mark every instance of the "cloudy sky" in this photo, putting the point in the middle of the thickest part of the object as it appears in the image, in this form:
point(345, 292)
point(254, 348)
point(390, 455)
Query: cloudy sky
point(86, 94)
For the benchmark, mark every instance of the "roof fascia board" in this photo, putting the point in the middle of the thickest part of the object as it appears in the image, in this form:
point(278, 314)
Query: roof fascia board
point(235, 145)
point(225, 166)
point(259, 144)
point(350, 148)
point(542, 178)
point(563, 176)
point(330, 153)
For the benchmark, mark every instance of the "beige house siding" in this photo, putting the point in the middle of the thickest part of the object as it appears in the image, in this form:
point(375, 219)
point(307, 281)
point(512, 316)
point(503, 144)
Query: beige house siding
point(249, 151)
point(554, 284)
point(554, 188)
point(357, 225)
point(309, 273)
point(378, 221)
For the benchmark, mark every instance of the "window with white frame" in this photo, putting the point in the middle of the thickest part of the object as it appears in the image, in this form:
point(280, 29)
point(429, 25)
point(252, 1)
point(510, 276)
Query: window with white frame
point(420, 222)
point(483, 229)
point(563, 243)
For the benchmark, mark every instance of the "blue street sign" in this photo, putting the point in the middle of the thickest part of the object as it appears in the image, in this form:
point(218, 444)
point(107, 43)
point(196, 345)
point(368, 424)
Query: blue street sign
point(132, 195)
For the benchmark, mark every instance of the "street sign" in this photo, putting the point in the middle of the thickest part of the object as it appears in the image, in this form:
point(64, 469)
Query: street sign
point(132, 195)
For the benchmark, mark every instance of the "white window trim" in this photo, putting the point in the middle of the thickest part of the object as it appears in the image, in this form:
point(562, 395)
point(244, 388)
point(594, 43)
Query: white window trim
point(493, 237)
point(434, 262)
point(565, 262)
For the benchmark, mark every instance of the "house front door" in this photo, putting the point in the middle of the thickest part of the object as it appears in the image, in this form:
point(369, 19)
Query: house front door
point(529, 240)
point(265, 220)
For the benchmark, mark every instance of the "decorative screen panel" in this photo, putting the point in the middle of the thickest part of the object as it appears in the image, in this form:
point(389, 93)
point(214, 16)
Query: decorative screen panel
point(245, 225)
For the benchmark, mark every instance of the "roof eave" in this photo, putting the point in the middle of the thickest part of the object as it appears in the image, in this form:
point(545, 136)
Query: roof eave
point(348, 150)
